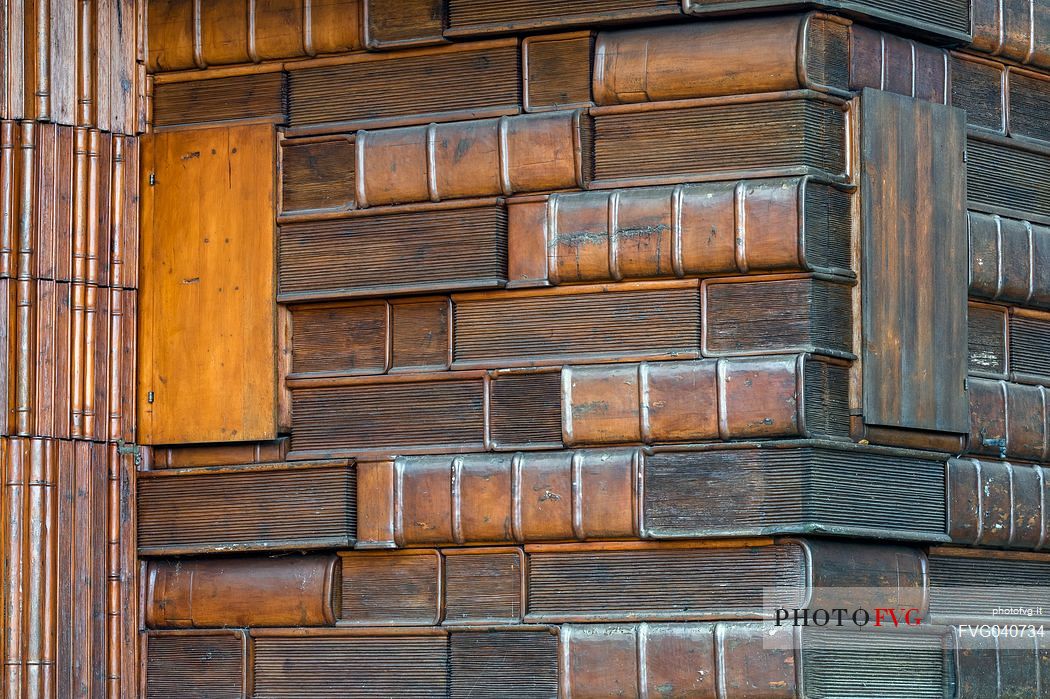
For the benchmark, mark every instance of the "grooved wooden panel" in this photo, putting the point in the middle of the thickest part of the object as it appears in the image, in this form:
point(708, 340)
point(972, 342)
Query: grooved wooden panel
point(660, 583)
point(757, 491)
point(390, 25)
point(474, 17)
point(374, 90)
point(444, 248)
point(208, 352)
point(1005, 176)
point(420, 336)
point(1028, 95)
point(317, 175)
point(368, 416)
point(915, 258)
point(484, 588)
point(525, 410)
point(986, 339)
point(984, 577)
point(557, 70)
point(358, 666)
point(792, 315)
point(977, 87)
point(349, 338)
point(661, 144)
point(1030, 345)
point(195, 664)
point(258, 97)
point(502, 329)
point(201, 510)
point(498, 664)
point(380, 589)
point(889, 62)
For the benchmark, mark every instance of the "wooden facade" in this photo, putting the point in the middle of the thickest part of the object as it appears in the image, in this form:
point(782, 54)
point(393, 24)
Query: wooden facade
point(478, 348)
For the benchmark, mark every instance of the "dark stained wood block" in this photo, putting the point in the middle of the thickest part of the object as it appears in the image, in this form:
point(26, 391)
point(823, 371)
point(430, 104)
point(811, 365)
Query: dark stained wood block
point(977, 87)
point(317, 174)
point(759, 316)
point(391, 588)
point(357, 91)
point(991, 668)
point(255, 591)
point(251, 97)
point(196, 664)
point(893, 63)
point(391, 25)
point(275, 506)
point(1030, 346)
point(963, 586)
point(557, 71)
point(1009, 420)
point(421, 334)
point(743, 136)
point(998, 504)
point(986, 339)
point(817, 488)
point(1009, 260)
point(794, 224)
point(1027, 94)
point(1008, 176)
point(351, 663)
point(518, 662)
point(741, 398)
point(723, 57)
point(915, 257)
point(480, 17)
point(1015, 29)
point(460, 245)
point(943, 21)
point(484, 586)
point(525, 410)
point(643, 320)
point(231, 454)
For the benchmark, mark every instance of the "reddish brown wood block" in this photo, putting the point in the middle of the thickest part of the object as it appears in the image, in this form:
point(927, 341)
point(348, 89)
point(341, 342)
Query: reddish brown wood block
point(260, 96)
point(396, 588)
point(1009, 420)
point(1015, 29)
point(196, 663)
point(996, 503)
point(255, 591)
point(407, 23)
point(746, 398)
point(557, 71)
point(216, 454)
point(1009, 260)
point(484, 586)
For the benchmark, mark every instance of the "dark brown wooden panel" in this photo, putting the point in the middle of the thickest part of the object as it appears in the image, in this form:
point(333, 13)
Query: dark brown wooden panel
point(317, 174)
point(915, 258)
point(345, 338)
point(1008, 176)
point(752, 316)
point(501, 663)
point(1009, 260)
point(484, 586)
point(986, 339)
point(397, 588)
point(1009, 420)
point(977, 87)
point(1028, 94)
point(1016, 29)
point(392, 25)
point(254, 591)
point(557, 71)
point(351, 664)
point(367, 91)
point(525, 410)
point(370, 415)
point(943, 21)
point(196, 664)
point(478, 17)
point(980, 573)
point(998, 504)
point(426, 249)
point(656, 319)
point(650, 144)
point(255, 97)
point(421, 337)
point(893, 63)
point(1030, 346)
point(248, 508)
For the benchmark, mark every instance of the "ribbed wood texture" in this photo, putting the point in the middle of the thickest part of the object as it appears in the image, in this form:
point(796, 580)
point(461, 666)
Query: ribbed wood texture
point(195, 665)
point(502, 331)
point(1003, 178)
point(368, 417)
point(986, 339)
point(370, 255)
point(761, 491)
point(317, 175)
point(259, 96)
point(977, 88)
point(984, 578)
point(525, 410)
point(671, 583)
point(1028, 95)
point(503, 663)
point(795, 315)
point(262, 509)
point(558, 71)
point(473, 17)
point(484, 588)
point(1030, 346)
point(381, 589)
point(737, 137)
point(407, 86)
point(347, 339)
point(351, 666)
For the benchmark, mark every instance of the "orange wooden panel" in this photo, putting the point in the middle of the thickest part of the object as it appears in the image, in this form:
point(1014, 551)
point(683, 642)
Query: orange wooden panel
point(207, 329)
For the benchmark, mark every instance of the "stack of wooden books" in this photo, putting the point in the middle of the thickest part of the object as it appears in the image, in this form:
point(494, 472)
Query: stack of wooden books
point(595, 348)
